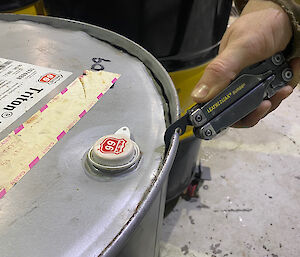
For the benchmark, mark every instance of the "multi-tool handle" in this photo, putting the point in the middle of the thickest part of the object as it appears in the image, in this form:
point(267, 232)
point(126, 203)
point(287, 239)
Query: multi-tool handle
point(243, 95)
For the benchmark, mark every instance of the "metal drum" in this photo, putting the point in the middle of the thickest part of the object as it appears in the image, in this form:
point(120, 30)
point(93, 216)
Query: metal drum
point(57, 208)
point(183, 35)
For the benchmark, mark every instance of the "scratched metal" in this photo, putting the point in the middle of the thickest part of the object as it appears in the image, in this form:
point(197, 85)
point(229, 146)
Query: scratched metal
point(56, 209)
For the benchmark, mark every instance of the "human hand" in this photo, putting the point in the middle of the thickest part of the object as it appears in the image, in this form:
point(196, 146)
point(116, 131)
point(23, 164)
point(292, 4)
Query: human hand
point(262, 30)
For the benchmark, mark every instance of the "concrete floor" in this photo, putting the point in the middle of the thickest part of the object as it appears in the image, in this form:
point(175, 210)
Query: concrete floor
point(252, 205)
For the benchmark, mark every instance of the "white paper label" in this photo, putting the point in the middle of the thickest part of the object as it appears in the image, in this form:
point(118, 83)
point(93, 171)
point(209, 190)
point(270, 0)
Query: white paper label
point(22, 85)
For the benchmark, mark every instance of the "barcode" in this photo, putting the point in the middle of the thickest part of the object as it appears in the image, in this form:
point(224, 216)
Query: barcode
point(3, 65)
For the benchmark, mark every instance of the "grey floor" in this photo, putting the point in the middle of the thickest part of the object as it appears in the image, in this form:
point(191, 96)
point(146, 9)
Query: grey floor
point(252, 205)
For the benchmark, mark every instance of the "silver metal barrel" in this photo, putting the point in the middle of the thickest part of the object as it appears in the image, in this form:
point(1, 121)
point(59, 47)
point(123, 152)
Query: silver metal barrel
point(56, 209)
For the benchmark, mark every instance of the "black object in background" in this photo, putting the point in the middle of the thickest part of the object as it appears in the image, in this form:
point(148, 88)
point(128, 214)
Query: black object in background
point(9, 5)
point(180, 33)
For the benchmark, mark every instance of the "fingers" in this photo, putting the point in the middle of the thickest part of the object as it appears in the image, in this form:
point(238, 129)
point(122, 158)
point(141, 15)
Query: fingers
point(280, 96)
point(264, 108)
point(265, 35)
point(253, 118)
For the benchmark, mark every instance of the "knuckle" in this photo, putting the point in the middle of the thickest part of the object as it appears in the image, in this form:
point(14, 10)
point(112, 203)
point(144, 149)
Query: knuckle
point(217, 68)
point(279, 29)
point(278, 18)
point(255, 44)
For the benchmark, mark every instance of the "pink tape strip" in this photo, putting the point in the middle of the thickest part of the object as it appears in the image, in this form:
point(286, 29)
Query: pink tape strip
point(64, 91)
point(114, 80)
point(82, 114)
point(2, 193)
point(44, 108)
point(60, 136)
point(18, 129)
point(34, 162)
point(99, 96)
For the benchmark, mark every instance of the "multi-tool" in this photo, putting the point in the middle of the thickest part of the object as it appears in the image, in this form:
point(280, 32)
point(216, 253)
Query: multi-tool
point(244, 94)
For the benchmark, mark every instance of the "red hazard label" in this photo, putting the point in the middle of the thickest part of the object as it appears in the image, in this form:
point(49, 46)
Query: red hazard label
point(47, 77)
point(113, 145)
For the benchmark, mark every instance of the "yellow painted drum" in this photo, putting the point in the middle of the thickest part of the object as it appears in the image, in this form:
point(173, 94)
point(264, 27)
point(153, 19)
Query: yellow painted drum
point(185, 81)
point(33, 8)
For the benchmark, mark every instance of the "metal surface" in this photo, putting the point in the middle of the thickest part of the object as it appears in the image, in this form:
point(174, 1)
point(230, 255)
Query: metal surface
point(56, 209)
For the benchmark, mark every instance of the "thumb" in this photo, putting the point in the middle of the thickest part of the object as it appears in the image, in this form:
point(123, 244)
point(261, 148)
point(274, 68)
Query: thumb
point(217, 76)
point(220, 72)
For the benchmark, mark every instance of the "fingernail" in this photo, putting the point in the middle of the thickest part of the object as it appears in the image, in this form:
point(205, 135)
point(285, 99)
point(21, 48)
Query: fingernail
point(200, 92)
